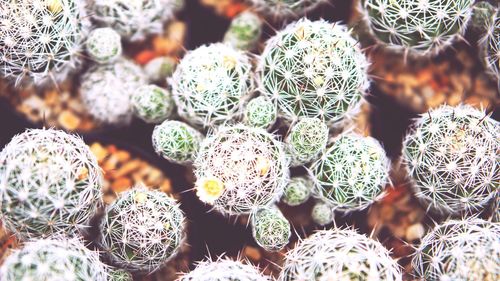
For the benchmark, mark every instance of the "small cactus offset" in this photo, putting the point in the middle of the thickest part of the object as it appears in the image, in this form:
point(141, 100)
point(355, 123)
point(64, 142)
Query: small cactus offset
point(306, 140)
point(297, 191)
point(313, 69)
point(339, 255)
point(244, 31)
point(270, 229)
point(491, 47)
point(50, 183)
point(53, 259)
point(452, 156)
point(352, 173)
point(322, 213)
point(239, 169)
point(120, 275)
point(176, 141)
point(284, 8)
point(158, 69)
point(224, 270)
point(460, 250)
point(152, 103)
point(41, 39)
point(104, 45)
point(260, 112)
point(418, 27)
point(211, 83)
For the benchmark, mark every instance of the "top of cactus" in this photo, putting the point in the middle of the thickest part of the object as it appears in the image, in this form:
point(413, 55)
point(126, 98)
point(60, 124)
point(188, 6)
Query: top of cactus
point(285, 8)
point(223, 270)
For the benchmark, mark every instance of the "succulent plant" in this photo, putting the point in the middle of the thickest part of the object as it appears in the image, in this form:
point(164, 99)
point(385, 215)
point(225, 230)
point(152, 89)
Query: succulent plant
point(211, 83)
point(260, 112)
point(452, 156)
point(297, 191)
point(313, 69)
point(244, 31)
point(306, 140)
point(352, 173)
point(152, 103)
point(322, 213)
point(104, 45)
point(158, 69)
point(418, 27)
point(339, 255)
point(239, 169)
point(142, 230)
point(224, 270)
point(41, 39)
point(120, 275)
point(270, 229)
point(284, 8)
point(53, 259)
point(176, 141)
point(491, 46)
point(106, 91)
point(460, 250)
point(50, 183)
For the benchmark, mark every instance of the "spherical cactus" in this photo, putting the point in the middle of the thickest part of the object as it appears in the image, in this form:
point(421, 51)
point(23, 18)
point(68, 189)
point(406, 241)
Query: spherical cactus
point(260, 112)
point(41, 40)
point(297, 191)
point(176, 141)
point(313, 69)
point(211, 83)
point(322, 213)
point(142, 230)
point(239, 169)
point(270, 229)
point(158, 69)
point(50, 183)
point(284, 8)
point(106, 91)
point(223, 270)
point(306, 140)
point(460, 250)
point(244, 31)
point(419, 27)
point(120, 275)
point(152, 103)
point(53, 259)
point(452, 156)
point(351, 173)
point(104, 45)
point(339, 255)
point(491, 47)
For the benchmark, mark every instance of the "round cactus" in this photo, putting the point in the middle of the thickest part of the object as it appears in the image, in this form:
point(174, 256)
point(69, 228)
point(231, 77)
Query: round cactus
point(452, 156)
point(223, 270)
point(460, 250)
point(306, 140)
point(285, 8)
point(491, 46)
point(41, 40)
point(240, 169)
point(297, 191)
point(104, 45)
point(176, 141)
point(260, 112)
point(158, 69)
point(120, 275)
point(53, 259)
point(313, 69)
point(211, 83)
point(419, 27)
point(351, 173)
point(339, 255)
point(50, 183)
point(244, 31)
point(270, 229)
point(152, 103)
point(142, 230)
point(322, 213)
point(106, 91)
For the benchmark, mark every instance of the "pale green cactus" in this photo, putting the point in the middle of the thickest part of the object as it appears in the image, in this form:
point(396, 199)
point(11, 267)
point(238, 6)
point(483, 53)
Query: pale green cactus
point(244, 31)
point(152, 103)
point(176, 141)
point(270, 229)
point(306, 140)
point(120, 275)
point(260, 112)
point(104, 45)
point(297, 191)
point(322, 213)
point(158, 69)
point(284, 8)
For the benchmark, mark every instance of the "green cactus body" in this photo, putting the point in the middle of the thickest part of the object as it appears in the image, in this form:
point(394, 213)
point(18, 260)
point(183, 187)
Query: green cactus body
point(104, 45)
point(158, 69)
point(284, 8)
point(491, 47)
point(260, 112)
point(244, 31)
point(152, 103)
point(270, 229)
point(120, 275)
point(297, 191)
point(306, 140)
point(224, 270)
point(322, 213)
point(176, 141)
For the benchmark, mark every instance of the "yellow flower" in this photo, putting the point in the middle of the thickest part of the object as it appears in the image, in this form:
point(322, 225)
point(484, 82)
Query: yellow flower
point(55, 6)
point(262, 165)
point(140, 197)
point(209, 189)
point(229, 62)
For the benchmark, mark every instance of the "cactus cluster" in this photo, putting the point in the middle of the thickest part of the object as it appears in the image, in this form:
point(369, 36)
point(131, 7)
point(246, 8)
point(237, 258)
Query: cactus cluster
point(270, 228)
point(152, 103)
point(284, 8)
point(104, 45)
point(260, 112)
point(306, 140)
point(244, 31)
point(297, 191)
point(176, 141)
point(223, 270)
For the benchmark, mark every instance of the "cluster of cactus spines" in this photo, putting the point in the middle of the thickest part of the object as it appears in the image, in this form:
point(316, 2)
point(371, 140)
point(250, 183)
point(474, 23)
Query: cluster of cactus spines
point(239, 169)
point(104, 45)
point(313, 69)
point(491, 43)
point(106, 91)
point(222, 270)
point(260, 112)
point(339, 255)
point(306, 140)
point(352, 173)
point(211, 83)
point(270, 229)
point(50, 183)
point(284, 8)
point(142, 230)
point(152, 103)
point(40, 39)
point(418, 27)
point(53, 259)
point(117, 274)
point(452, 156)
point(322, 213)
point(460, 250)
point(158, 69)
point(297, 191)
point(176, 141)
point(244, 31)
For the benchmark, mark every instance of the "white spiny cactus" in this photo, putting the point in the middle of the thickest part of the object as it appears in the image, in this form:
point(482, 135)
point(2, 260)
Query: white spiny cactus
point(224, 270)
point(491, 46)
point(306, 140)
point(244, 31)
point(297, 191)
point(176, 141)
point(120, 275)
point(270, 229)
point(284, 8)
point(152, 103)
point(322, 213)
point(104, 45)
point(260, 112)
point(158, 69)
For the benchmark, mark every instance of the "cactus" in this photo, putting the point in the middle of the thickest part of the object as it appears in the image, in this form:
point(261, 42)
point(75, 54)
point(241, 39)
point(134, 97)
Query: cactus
point(142, 230)
point(211, 83)
point(176, 141)
point(284, 8)
point(270, 229)
point(120, 275)
point(158, 69)
point(239, 169)
point(152, 103)
point(417, 27)
point(306, 140)
point(339, 255)
point(322, 213)
point(460, 250)
point(104, 45)
point(313, 69)
point(224, 270)
point(41, 40)
point(106, 91)
point(50, 183)
point(491, 47)
point(53, 259)
point(244, 31)
point(351, 173)
point(260, 112)
point(452, 156)
point(297, 191)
